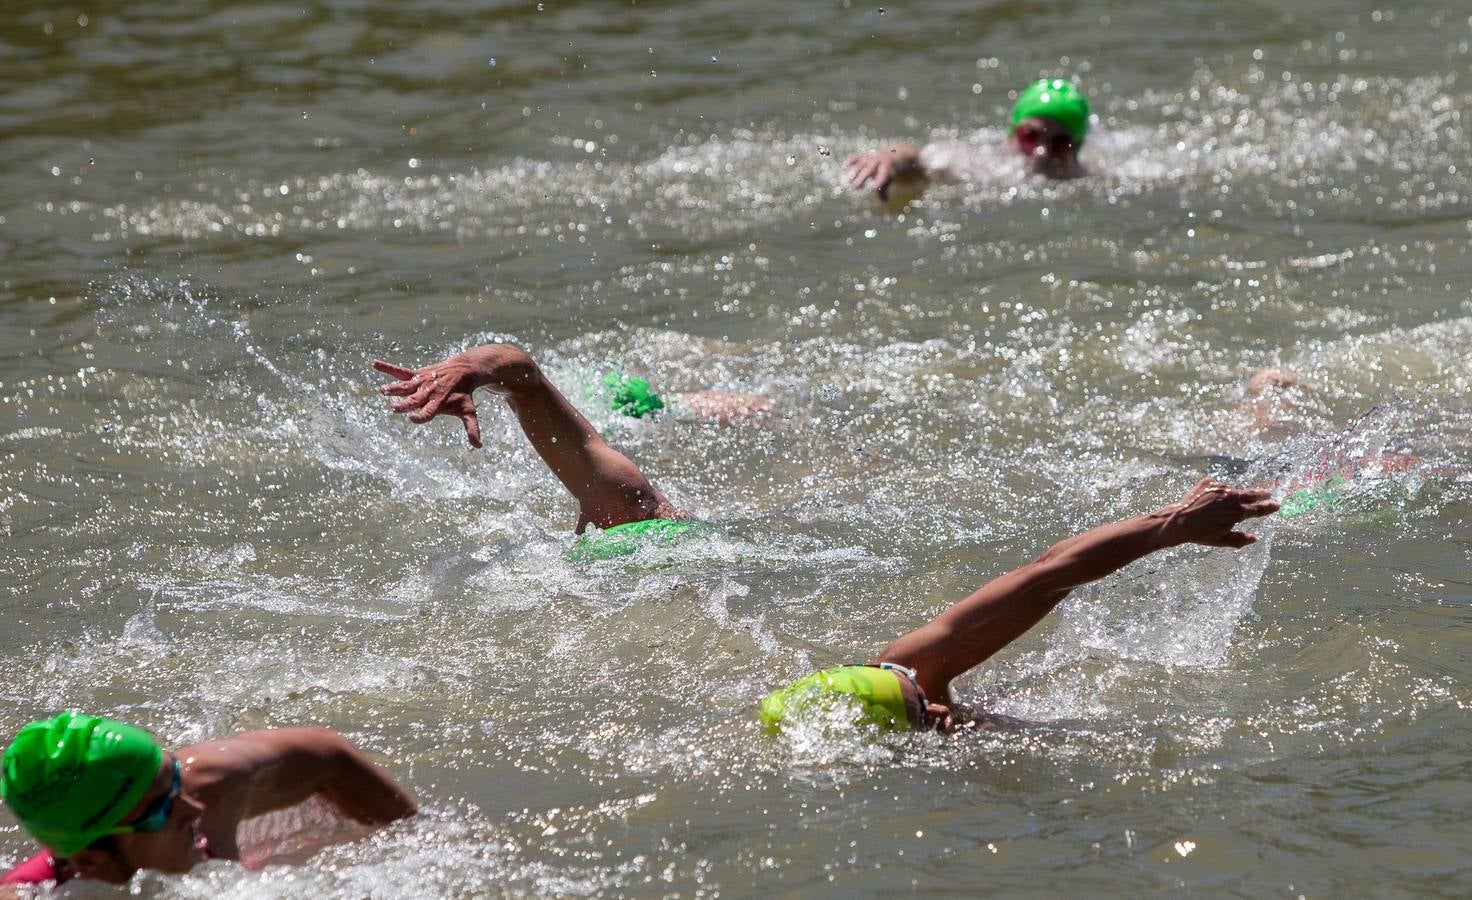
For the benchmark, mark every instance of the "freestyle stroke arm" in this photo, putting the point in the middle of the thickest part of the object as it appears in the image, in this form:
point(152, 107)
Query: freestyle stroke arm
point(1002, 610)
point(287, 766)
point(609, 488)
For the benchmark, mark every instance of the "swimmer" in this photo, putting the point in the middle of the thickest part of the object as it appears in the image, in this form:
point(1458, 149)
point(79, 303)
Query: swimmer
point(610, 490)
point(1049, 123)
point(634, 398)
point(908, 685)
point(105, 799)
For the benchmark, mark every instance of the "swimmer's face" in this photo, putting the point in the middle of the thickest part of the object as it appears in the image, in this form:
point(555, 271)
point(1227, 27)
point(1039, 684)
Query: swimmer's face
point(1047, 145)
point(175, 847)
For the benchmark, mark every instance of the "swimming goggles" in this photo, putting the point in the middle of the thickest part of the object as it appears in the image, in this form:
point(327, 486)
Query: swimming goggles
point(156, 814)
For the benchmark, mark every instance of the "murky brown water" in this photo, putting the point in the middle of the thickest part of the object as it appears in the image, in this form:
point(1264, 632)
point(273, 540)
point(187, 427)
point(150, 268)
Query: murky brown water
point(214, 214)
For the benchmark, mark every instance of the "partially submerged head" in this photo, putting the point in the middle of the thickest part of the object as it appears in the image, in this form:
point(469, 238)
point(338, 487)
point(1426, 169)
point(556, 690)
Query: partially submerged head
point(631, 396)
point(1049, 123)
point(101, 794)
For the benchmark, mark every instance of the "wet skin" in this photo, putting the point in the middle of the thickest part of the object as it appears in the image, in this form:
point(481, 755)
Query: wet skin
point(1002, 610)
point(223, 782)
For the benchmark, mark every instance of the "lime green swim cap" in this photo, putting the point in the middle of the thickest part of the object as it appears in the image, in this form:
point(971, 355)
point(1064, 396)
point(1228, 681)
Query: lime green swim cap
point(874, 693)
point(1055, 98)
point(631, 396)
point(70, 779)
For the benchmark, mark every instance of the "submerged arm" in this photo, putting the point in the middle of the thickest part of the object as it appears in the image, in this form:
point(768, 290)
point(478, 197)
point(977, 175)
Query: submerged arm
point(1002, 610)
point(609, 488)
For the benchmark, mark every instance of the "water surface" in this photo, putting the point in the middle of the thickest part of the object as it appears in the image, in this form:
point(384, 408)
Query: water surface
point(213, 214)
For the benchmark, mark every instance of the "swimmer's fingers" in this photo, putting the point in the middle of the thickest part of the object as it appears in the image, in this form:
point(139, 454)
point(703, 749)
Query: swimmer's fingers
point(865, 169)
point(1260, 507)
point(403, 373)
point(1253, 503)
point(430, 407)
point(940, 718)
point(408, 381)
point(399, 388)
point(1234, 539)
point(471, 423)
point(419, 398)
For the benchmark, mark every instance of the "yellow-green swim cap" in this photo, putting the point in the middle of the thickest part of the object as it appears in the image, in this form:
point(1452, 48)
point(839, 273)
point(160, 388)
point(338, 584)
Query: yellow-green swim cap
point(876, 692)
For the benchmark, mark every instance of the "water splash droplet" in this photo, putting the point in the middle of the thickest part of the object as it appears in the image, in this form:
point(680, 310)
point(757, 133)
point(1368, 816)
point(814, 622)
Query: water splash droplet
point(824, 151)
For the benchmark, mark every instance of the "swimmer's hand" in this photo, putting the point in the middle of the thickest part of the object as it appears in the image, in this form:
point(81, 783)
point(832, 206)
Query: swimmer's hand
point(881, 168)
point(1209, 513)
point(442, 389)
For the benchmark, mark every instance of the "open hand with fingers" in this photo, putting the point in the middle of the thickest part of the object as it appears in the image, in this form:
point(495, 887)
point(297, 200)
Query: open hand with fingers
point(881, 168)
point(1210, 511)
point(441, 389)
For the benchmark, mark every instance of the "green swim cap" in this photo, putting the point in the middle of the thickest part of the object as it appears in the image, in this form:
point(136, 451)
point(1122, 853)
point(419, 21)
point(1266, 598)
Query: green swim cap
point(631, 396)
point(630, 537)
point(71, 778)
point(1055, 98)
point(1323, 496)
point(873, 693)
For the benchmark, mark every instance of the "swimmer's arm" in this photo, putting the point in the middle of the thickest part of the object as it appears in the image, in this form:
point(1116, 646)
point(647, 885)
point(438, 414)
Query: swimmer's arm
point(287, 766)
point(1002, 610)
point(887, 166)
point(609, 488)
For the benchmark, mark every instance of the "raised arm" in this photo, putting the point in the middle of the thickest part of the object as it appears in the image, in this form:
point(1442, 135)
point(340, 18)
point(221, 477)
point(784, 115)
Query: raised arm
point(1002, 610)
point(609, 488)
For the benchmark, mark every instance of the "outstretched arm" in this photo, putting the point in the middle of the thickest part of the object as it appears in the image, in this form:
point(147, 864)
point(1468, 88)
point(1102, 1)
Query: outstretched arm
point(1003, 609)
point(609, 488)
point(897, 164)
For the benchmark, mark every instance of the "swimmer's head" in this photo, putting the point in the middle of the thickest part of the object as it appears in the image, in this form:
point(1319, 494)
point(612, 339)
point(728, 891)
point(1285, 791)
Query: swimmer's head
point(101, 795)
point(1049, 123)
point(631, 396)
point(71, 778)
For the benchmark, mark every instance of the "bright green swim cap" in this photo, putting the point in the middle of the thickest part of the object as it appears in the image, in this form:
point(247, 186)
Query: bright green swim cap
point(630, 537)
point(631, 396)
point(70, 779)
point(1055, 98)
